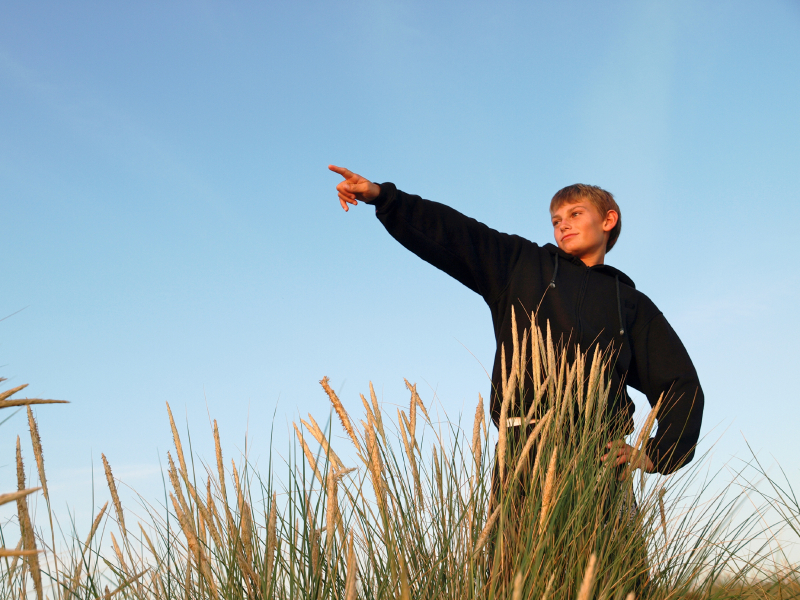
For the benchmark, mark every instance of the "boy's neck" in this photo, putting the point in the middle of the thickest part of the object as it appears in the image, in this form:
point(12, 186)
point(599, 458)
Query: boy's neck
point(591, 259)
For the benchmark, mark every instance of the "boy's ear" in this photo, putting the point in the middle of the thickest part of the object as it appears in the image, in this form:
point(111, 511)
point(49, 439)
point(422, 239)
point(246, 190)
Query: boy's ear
point(612, 217)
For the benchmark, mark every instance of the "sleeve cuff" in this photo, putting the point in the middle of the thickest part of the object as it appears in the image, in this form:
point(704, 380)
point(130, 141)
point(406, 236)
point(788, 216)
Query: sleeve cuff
point(386, 198)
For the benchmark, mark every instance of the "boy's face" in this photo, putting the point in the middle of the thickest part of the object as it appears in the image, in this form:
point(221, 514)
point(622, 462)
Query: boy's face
point(580, 229)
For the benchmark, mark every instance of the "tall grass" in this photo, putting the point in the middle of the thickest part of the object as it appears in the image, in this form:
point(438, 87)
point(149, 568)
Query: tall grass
point(411, 508)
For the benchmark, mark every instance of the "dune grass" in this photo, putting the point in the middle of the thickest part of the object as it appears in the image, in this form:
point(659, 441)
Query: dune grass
point(406, 509)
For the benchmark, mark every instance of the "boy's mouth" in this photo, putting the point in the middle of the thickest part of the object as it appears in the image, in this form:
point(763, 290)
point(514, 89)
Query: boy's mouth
point(569, 235)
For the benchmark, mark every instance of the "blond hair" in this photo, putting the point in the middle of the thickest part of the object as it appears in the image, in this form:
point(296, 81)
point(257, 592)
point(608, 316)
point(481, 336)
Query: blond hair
point(602, 200)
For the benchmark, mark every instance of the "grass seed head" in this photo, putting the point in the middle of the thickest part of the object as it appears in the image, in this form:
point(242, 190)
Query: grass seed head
point(26, 527)
point(476, 432)
point(588, 579)
point(177, 439)
point(36, 441)
point(114, 496)
point(549, 486)
point(340, 412)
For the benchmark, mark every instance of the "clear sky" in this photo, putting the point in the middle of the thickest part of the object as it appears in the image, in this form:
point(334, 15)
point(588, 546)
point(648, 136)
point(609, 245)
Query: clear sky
point(172, 232)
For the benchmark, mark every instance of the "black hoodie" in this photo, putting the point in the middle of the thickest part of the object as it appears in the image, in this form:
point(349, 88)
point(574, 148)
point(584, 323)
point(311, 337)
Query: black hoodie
point(588, 306)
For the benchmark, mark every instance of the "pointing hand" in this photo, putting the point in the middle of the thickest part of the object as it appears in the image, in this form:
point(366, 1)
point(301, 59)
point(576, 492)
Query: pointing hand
point(354, 187)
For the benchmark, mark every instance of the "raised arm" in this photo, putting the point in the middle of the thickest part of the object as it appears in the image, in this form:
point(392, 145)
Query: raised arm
point(474, 254)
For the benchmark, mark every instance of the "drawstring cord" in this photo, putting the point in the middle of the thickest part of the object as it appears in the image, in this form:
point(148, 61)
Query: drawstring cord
point(555, 271)
point(619, 309)
point(619, 301)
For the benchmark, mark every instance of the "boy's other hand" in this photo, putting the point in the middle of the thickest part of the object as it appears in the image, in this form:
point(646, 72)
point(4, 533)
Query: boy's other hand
point(354, 188)
point(627, 455)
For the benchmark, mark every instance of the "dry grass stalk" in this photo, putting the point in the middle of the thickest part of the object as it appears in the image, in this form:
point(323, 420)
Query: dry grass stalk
point(548, 588)
point(13, 566)
point(503, 424)
point(341, 412)
point(272, 522)
point(663, 512)
point(412, 410)
point(534, 435)
point(536, 357)
point(580, 364)
point(122, 586)
point(588, 579)
point(594, 374)
point(439, 482)
point(176, 438)
point(247, 530)
point(411, 457)
point(373, 422)
point(376, 469)
point(477, 447)
point(8, 393)
point(331, 511)
point(523, 366)
point(29, 402)
point(551, 360)
point(630, 596)
point(206, 515)
point(95, 524)
point(376, 410)
point(309, 455)
point(405, 590)
point(487, 530)
point(549, 486)
point(312, 536)
point(14, 496)
point(517, 593)
point(120, 556)
point(220, 464)
point(537, 400)
point(320, 437)
point(514, 341)
point(352, 573)
point(176, 485)
point(17, 553)
point(239, 494)
point(562, 369)
point(644, 434)
point(26, 527)
point(221, 475)
point(36, 441)
point(149, 543)
point(188, 583)
point(545, 432)
point(115, 497)
point(194, 545)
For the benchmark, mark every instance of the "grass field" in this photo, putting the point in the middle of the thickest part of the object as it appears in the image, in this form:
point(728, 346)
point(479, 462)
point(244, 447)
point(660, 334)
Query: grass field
point(408, 512)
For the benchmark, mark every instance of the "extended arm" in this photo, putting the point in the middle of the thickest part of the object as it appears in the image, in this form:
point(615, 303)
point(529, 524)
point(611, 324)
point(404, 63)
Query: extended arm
point(474, 254)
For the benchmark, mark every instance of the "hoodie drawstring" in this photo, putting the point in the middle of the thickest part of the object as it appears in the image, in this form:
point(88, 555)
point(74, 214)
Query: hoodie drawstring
point(555, 272)
point(619, 309)
point(619, 301)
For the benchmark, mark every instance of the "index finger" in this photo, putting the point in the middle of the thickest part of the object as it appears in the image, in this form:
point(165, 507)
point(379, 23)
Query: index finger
point(347, 174)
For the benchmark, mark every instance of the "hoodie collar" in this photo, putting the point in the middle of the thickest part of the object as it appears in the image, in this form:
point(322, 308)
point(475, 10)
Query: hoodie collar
point(604, 269)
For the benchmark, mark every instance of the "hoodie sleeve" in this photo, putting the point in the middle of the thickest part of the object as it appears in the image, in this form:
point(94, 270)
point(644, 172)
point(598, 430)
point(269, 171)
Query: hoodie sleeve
point(474, 254)
point(662, 365)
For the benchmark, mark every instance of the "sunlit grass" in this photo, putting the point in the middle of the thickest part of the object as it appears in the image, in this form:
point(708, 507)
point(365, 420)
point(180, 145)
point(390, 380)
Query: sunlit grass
point(405, 509)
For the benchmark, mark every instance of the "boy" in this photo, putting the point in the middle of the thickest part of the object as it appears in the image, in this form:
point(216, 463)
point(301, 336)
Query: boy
point(586, 302)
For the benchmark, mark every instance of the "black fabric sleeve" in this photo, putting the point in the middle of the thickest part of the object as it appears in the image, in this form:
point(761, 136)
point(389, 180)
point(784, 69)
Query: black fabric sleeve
point(662, 365)
point(474, 254)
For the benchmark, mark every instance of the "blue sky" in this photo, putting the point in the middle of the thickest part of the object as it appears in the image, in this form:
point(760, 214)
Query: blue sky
point(172, 233)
